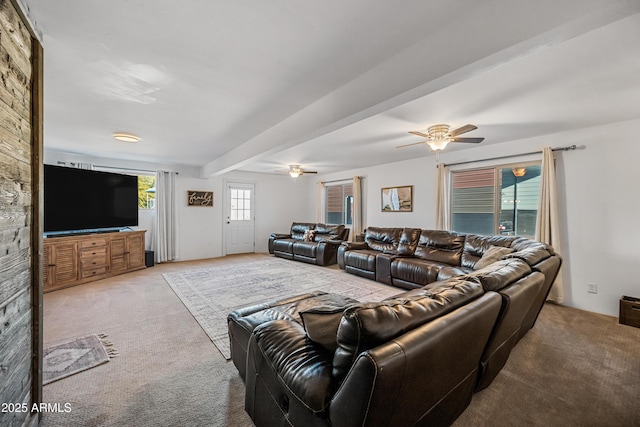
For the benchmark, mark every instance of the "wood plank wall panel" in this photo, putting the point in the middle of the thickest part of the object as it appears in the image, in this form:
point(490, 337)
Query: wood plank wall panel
point(17, 223)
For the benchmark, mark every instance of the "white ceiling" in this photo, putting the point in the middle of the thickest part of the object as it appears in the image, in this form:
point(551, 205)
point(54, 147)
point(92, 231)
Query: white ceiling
point(332, 85)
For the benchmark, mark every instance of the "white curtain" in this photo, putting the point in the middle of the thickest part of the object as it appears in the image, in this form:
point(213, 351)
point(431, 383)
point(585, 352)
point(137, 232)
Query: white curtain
point(165, 227)
point(356, 215)
point(547, 224)
point(320, 195)
point(442, 198)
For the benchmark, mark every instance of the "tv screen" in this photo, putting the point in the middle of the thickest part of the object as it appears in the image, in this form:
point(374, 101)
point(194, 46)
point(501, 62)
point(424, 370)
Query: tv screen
point(80, 200)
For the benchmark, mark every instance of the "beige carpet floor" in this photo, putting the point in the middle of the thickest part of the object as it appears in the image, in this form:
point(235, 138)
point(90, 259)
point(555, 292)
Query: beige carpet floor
point(573, 369)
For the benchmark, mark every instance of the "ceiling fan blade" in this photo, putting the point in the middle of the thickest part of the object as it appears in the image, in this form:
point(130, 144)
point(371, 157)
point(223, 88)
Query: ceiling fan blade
point(423, 135)
point(472, 140)
point(463, 129)
point(308, 172)
point(409, 145)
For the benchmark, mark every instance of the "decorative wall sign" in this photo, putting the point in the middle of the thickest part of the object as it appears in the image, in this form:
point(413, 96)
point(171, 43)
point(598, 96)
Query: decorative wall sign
point(199, 198)
point(397, 199)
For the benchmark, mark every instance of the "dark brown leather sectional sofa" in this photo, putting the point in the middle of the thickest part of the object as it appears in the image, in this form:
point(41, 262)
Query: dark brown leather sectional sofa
point(413, 359)
point(321, 249)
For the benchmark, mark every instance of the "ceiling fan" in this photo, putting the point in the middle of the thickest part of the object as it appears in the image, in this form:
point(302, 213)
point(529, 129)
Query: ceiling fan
point(439, 136)
point(295, 171)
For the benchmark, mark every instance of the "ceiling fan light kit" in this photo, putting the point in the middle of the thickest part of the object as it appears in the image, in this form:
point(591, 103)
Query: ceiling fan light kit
point(295, 171)
point(438, 136)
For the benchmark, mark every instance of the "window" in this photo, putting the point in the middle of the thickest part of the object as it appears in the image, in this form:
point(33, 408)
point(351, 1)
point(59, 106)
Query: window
point(339, 204)
point(240, 205)
point(497, 200)
point(146, 191)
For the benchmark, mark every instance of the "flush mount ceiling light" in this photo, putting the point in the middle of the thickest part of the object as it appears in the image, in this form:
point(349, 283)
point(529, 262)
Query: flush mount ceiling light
point(126, 137)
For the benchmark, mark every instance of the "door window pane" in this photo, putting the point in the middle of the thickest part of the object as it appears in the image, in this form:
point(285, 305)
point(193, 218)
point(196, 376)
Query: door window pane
point(240, 205)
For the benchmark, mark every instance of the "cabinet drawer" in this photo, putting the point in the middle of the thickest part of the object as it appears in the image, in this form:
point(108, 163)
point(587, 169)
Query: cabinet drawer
point(93, 262)
point(94, 252)
point(92, 243)
point(93, 272)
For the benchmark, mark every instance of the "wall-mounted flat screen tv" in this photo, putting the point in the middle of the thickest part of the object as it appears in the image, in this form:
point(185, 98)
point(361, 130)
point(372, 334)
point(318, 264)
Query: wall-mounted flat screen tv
point(80, 200)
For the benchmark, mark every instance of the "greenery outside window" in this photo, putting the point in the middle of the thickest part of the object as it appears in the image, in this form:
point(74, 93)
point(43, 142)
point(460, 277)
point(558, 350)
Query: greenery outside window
point(146, 191)
point(497, 200)
point(339, 203)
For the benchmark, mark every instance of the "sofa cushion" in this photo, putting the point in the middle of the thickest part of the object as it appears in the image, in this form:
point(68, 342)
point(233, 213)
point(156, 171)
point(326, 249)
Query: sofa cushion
point(476, 245)
point(383, 239)
point(531, 255)
point(298, 229)
point(501, 274)
point(284, 245)
point(414, 270)
point(440, 246)
point(305, 249)
point(321, 322)
point(493, 254)
point(365, 326)
point(408, 241)
point(362, 259)
point(328, 232)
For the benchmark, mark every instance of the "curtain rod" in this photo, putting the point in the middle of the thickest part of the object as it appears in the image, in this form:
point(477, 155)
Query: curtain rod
point(337, 180)
point(127, 169)
point(568, 148)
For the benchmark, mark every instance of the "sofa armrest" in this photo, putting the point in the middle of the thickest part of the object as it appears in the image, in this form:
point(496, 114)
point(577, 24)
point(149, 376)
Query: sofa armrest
point(276, 236)
point(285, 364)
point(350, 246)
point(383, 266)
point(327, 252)
point(280, 236)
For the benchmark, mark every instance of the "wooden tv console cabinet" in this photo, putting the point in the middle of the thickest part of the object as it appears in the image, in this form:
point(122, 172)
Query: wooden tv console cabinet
point(74, 260)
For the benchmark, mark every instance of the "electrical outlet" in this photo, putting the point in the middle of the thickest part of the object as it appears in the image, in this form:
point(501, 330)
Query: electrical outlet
point(592, 288)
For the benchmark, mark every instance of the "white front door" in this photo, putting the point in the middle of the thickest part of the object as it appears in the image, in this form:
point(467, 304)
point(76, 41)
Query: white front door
point(240, 219)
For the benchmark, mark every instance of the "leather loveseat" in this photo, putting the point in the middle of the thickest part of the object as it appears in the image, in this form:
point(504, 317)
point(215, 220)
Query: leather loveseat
point(309, 242)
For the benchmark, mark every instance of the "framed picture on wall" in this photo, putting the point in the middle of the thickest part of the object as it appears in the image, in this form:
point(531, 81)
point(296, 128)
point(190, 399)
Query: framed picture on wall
point(397, 199)
point(199, 198)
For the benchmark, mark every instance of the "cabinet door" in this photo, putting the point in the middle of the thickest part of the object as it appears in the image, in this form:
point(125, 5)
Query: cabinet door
point(136, 250)
point(118, 254)
point(60, 264)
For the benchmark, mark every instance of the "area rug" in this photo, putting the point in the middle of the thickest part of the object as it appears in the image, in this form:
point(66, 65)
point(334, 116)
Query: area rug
point(66, 358)
point(212, 293)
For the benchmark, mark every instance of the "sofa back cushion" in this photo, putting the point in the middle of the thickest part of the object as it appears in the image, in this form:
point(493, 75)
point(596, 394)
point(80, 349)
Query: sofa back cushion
point(298, 229)
point(328, 232)
point(476, 245)
point(408, 241)
point(501, 274)
point(365, 326)
point(440, 246)
point(383, 239)
point(530, 251)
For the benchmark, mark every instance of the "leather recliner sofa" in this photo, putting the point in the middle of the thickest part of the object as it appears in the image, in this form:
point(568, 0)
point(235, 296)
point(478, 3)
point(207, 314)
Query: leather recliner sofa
point(413, 359)
point(412, 258)
point(320, 247)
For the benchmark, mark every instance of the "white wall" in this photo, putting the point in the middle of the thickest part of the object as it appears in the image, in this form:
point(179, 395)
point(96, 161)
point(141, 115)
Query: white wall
point(597, 187)
point(279, 201)
point(599, 205)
